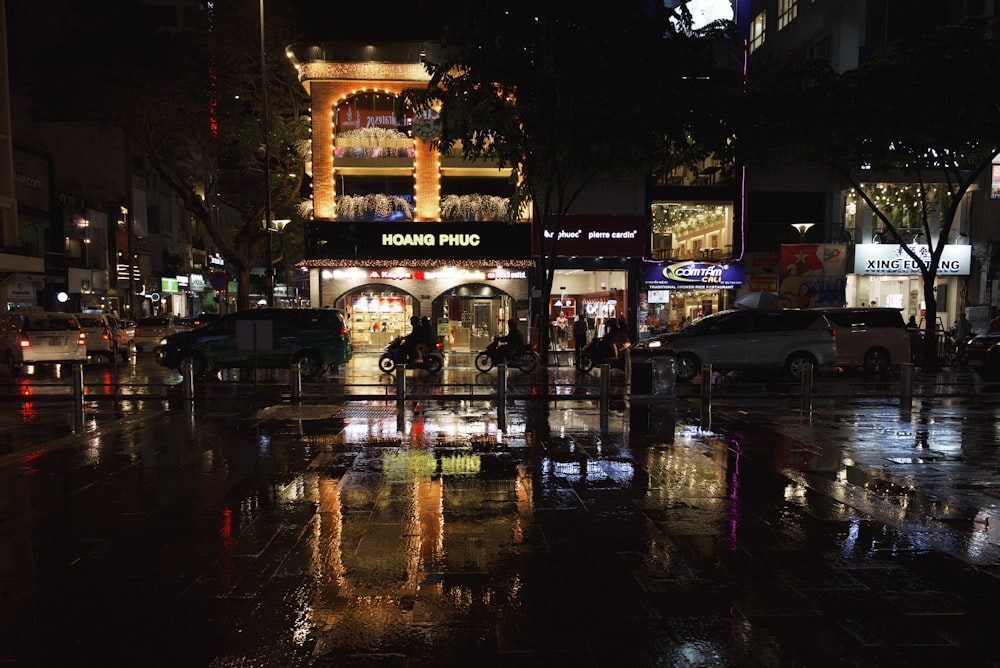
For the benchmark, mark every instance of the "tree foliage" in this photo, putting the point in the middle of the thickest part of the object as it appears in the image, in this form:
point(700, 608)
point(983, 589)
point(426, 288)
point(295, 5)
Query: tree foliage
point(563, 95)
point(190, 102)
point(923, 111)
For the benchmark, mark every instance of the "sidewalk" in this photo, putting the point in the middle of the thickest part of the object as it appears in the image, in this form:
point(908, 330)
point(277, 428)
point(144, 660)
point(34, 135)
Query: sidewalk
point(345, 532)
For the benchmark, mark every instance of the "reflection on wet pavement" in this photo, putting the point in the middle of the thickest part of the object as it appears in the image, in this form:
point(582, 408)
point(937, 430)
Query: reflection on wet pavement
point(348, 534)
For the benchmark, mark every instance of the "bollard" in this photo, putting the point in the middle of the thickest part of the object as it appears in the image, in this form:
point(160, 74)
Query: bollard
point(401, 387)
point(78, 390)
point(807, 386)
point(187, 380)
point(628, 370)
point(502, 384)
point(502, 398)
point(297, 382)
point(906, 384)
point(706, 381)
point(605, 386)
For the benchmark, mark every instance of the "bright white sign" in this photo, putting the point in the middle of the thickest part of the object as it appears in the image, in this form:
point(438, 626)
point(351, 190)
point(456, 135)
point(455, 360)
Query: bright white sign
point(882, 259)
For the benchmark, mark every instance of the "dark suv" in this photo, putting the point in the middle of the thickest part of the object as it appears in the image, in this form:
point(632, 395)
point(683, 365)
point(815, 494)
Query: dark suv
point(265, 338)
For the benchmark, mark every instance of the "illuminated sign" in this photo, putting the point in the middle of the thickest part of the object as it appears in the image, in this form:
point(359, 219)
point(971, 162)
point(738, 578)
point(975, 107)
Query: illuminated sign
point(886, 259)
point(430, 239)
point(389, 240)
point(691, 274)
point(596, 236)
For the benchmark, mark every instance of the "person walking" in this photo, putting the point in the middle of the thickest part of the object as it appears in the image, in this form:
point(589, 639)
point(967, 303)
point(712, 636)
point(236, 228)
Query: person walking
point(579, 337)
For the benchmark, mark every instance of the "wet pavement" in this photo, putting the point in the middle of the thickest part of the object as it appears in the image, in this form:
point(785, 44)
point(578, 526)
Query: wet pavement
point(245, 529)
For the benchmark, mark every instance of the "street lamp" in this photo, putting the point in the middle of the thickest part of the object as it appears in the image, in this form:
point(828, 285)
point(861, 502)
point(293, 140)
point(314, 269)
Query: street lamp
point(802, 228)
point(268, 251)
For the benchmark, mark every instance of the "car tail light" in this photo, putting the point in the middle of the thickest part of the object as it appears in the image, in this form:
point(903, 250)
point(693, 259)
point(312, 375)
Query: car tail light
point(82, 340)
point(23, 342)
point(343, 331)
point(106, 335)
point(439, 345)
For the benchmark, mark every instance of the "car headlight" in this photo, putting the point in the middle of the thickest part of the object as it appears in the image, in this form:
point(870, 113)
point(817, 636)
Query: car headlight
point(163, 342)
point(654, 344)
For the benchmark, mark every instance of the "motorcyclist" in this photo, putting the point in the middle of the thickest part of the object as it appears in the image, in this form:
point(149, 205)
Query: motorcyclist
point(509, 343)
point(413, 343)
point(620, 341)
point(428, 336)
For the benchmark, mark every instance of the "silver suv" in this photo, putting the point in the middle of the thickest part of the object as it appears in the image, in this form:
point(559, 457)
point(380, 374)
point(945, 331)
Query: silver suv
point(875, 339)
point(784, 339)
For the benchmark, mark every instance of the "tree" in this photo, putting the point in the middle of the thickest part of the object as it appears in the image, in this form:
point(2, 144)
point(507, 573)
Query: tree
point(895, 118)
point(190, 102)
point(563, 94)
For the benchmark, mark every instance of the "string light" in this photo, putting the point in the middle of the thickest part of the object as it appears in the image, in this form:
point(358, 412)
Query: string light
point(414, 262)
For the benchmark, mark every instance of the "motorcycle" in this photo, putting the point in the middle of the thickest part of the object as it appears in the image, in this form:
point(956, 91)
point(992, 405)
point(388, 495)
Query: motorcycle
point(598, 352)
point(396, 353)
point(524, 358)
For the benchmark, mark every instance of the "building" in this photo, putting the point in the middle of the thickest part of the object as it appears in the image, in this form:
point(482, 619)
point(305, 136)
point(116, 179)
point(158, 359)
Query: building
point(810, 220)
point(399, 230)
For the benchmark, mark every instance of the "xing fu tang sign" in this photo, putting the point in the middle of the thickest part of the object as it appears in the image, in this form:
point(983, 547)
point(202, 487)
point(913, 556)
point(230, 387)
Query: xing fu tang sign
point(885, 259)
point(691, 274)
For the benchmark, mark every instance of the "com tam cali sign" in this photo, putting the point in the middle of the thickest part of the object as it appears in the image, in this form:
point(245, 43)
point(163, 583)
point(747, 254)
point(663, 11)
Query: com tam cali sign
point(692, 274)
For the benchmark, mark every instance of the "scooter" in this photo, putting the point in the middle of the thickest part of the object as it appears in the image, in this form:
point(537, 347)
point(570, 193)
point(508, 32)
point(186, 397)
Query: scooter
point(523, 358)
point(598, 352)
point(396, 353)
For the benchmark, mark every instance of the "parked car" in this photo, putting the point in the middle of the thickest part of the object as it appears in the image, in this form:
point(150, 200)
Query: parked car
point(36, 336)
point(265, 338)
point(874, 339)
point(128, 326)
point(151, 330)
point(106, 338)
point(982, 355)
point(200, 320)
point(747, 339)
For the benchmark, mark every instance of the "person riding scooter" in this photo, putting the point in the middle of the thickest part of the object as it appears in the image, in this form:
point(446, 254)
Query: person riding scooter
point(509, 343)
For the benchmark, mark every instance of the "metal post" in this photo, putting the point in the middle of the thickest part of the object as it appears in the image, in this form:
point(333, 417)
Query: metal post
point(502, 384)
point(807, 386)
point(296, 382)
point(187, 380)
point(706, 381)
point(401, 387)
point(906, 384)
point(628, 370)
point(605, 386)
point(78, 389)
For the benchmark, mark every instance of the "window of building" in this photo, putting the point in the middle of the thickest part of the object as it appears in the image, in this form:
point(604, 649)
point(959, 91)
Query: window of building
point(757, 27)
point(787, 11)
point(821, 49)
point(682, 228)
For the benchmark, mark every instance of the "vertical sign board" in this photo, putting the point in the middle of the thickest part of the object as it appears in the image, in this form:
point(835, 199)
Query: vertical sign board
point(254, 335)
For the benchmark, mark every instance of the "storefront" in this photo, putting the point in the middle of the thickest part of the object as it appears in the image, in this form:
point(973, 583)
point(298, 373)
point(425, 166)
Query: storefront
point(468, 278)
point(674, 293)
point(884, 274)
point(594, 269)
